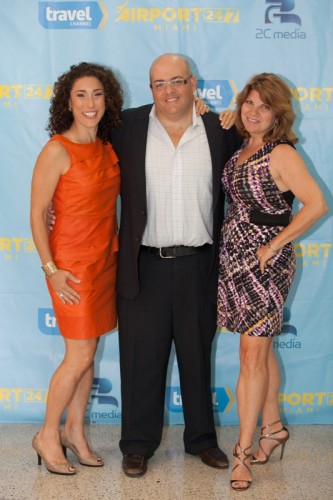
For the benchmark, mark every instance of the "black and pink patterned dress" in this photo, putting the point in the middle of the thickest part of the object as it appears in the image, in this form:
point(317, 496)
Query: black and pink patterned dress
point(250, 302)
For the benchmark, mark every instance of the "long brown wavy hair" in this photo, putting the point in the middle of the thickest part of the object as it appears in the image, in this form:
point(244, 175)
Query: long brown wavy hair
point(61, 118)
point(274, 92)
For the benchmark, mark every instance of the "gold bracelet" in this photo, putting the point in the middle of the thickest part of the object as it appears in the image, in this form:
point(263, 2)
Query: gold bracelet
point(271, 248)
point(49, 268)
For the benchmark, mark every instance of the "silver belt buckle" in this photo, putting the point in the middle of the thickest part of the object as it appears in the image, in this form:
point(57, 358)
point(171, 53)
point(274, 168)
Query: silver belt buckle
point(164, 256)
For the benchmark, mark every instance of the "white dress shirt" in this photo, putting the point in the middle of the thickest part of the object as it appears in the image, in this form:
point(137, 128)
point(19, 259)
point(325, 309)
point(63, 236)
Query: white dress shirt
point(178, 186)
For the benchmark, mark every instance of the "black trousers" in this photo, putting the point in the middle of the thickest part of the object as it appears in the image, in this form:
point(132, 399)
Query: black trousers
point(172, 306)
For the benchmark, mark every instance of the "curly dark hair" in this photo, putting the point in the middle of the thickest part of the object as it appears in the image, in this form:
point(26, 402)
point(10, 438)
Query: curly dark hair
point(61, 118)
point(276, 93)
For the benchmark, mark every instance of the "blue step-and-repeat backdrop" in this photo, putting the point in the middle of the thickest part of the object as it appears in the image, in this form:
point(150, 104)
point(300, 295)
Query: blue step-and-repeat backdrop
point(228, 41)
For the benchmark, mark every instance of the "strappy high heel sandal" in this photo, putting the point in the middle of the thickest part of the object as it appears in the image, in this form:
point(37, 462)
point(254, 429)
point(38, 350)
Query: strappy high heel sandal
point(65, 469)
point(272, 437)
point(241, 455)
point(94, 460)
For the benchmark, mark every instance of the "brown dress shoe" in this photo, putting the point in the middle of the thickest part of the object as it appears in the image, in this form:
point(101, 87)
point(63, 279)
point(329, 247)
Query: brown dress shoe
point(134, 465)
point(214, 457)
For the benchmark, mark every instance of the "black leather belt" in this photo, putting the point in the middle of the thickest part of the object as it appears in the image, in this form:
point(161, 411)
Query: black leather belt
point(173, 252)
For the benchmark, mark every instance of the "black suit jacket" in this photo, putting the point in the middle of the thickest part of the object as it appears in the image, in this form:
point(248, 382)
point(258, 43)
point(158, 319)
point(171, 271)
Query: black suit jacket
point(129, 141)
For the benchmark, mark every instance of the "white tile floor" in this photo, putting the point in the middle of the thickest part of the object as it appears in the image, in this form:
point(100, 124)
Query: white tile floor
point(305, 473)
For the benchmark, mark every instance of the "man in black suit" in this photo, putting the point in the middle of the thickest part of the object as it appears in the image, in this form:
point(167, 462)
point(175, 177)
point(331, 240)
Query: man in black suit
point(171, 213)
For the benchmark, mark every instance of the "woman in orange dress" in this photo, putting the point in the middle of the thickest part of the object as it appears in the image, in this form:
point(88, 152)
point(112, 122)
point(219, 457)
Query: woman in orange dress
point(78, 170)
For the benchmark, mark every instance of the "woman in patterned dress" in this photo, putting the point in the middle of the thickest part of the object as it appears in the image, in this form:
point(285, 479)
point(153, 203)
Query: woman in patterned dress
point(77, 169)
point(257, 261)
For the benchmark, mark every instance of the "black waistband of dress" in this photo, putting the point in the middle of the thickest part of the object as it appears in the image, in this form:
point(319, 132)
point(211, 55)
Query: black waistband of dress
point(263, 219)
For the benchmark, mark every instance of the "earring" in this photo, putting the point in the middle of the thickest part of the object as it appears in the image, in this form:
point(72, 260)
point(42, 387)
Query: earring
point(276, 121)
point(70, 108)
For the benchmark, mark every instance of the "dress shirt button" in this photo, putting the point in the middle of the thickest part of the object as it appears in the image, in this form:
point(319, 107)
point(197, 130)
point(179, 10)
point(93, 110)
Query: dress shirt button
point(143, 212)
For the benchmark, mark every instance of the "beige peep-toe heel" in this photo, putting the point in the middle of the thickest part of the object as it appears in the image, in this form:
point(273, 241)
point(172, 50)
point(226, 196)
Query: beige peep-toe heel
point(65, 469)
point(93, 460)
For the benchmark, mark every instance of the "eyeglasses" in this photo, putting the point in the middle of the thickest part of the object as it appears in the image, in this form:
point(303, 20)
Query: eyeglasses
point(176, 82)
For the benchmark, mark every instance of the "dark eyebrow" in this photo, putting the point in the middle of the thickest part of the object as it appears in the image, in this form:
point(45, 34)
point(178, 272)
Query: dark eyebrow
point(172, 78)
point(84, 90)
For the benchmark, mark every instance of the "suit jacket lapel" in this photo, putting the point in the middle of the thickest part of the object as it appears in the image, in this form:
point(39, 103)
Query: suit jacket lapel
point(215, 146)
point(139, 151)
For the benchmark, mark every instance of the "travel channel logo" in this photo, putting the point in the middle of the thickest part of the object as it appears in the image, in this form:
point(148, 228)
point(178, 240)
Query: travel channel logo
point(47, 323)
point(72, 15)
point(218, 94)
point(222, 399)
point(280, 13)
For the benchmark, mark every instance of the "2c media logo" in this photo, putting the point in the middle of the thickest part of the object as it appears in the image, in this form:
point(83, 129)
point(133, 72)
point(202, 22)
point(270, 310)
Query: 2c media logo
point(290, 343)
point(279, 10)
point(279, 13)
point(101, 389)
point(100, 396)
point(287, 327)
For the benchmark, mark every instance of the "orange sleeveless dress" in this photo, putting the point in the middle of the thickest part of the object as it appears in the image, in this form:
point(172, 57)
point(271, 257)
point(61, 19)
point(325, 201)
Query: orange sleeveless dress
point(84, 238)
